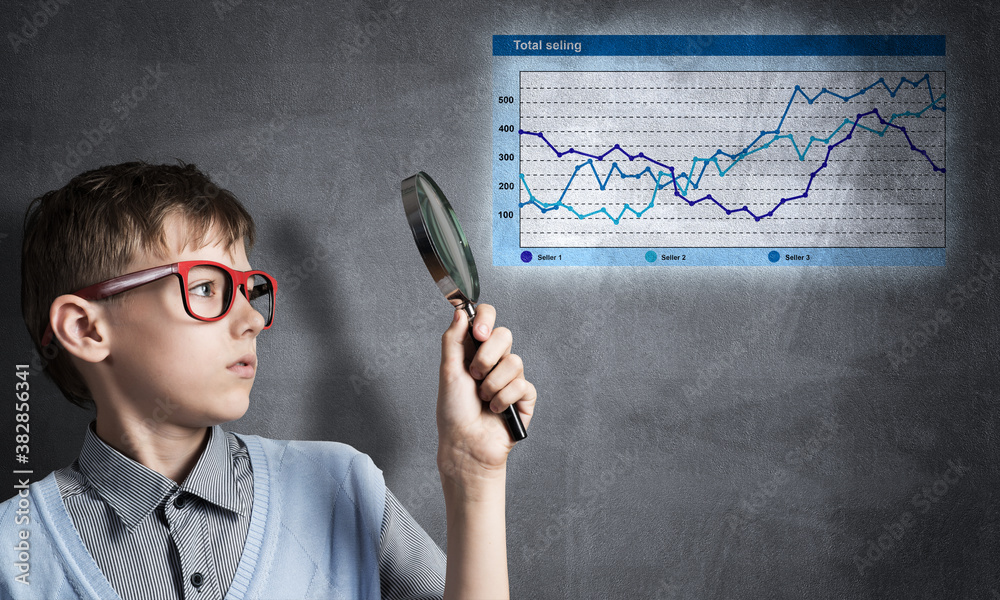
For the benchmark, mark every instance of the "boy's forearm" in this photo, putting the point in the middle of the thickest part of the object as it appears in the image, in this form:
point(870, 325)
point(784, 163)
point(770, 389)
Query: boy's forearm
point(477, 538)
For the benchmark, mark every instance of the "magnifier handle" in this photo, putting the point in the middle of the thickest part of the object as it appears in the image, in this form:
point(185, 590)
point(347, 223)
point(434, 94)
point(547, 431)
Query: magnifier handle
point(510, 415)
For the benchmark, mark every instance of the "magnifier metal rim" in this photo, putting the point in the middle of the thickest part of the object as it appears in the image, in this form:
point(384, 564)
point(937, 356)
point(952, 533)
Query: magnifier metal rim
point(425, 245)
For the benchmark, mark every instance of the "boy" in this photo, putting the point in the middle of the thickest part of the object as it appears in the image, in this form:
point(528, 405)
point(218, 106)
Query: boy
point(139, 275)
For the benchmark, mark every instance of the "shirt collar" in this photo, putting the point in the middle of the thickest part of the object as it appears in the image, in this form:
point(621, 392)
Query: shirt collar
point(133, 490)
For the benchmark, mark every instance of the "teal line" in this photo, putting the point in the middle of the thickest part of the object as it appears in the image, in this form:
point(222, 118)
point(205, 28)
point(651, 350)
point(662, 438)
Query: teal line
point(675, 179)
point(791, 137)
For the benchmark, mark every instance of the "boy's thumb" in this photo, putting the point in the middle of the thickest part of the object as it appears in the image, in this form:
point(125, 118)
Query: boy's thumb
point(453, 340)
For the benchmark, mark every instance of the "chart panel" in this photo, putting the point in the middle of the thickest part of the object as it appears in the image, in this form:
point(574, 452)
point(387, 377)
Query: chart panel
point(632, 165)
point(737, 159)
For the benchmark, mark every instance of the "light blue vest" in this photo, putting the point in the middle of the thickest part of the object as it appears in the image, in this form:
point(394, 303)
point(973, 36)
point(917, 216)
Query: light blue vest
point(314, 531)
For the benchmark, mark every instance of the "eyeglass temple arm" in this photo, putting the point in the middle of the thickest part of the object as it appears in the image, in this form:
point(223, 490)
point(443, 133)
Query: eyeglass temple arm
point(106, 289)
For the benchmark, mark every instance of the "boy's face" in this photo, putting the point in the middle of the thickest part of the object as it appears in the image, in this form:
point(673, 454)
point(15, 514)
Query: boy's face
point(174, 368)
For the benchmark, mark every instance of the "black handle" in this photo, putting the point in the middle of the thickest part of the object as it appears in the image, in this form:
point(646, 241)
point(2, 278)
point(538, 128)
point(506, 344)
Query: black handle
point(510, 415)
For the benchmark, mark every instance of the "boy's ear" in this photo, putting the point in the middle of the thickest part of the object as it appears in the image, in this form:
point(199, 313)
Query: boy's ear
point(81, 327)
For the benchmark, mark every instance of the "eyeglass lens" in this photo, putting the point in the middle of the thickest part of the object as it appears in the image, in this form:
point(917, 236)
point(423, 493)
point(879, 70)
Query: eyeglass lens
point(210, 292)
point(261, 296)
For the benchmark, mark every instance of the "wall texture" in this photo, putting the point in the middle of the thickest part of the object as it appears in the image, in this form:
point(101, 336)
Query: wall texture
point(701, 432)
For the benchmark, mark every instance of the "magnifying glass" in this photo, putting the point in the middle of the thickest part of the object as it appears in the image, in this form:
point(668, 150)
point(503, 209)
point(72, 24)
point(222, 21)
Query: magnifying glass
point(448, 257)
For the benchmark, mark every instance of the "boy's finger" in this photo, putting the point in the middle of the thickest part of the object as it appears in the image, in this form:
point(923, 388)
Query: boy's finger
point(520, 391)
point(490, 352)
point(486, 316)
point(507, 370)
point(452, 341)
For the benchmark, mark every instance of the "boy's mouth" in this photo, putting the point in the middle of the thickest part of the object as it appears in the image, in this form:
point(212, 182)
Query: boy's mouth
point(245, 366)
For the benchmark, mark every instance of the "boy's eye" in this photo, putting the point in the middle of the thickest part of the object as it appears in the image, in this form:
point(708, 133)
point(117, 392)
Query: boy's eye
point(205, 289)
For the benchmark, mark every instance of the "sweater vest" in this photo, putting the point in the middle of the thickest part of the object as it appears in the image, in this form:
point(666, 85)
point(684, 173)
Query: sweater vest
point(314, 531)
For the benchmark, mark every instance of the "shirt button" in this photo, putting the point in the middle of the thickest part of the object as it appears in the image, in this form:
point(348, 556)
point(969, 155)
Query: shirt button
point(197, 579)
point(179, 502)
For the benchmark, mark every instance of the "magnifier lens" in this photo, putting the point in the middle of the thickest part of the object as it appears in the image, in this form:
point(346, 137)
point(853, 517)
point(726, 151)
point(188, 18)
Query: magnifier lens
point(448, 257)
point(447, 237)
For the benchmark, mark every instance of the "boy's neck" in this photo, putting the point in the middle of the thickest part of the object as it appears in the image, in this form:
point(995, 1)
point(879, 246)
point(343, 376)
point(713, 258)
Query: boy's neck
point(168, 449)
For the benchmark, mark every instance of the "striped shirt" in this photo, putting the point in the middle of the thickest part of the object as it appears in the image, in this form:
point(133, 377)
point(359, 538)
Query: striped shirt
point(154, 539)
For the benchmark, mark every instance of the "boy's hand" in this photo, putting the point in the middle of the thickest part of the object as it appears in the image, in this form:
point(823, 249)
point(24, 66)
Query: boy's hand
point(473, 441)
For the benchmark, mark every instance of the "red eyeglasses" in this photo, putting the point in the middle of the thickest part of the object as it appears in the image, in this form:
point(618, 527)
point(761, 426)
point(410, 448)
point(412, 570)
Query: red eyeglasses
point(206, 287)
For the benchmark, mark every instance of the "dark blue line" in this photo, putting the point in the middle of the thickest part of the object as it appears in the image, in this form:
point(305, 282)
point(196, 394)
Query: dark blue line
point(545, 207)
point(739, 155)
point(775, 132)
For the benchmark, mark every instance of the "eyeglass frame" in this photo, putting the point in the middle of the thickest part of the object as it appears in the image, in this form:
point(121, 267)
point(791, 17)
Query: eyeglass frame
point(129, 281)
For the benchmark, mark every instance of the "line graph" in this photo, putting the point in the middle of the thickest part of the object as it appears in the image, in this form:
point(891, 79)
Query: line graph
point(731, 159)
point(691, 182)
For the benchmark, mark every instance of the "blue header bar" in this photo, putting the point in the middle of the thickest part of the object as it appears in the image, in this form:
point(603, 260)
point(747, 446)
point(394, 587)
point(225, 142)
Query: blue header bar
point(718, 45)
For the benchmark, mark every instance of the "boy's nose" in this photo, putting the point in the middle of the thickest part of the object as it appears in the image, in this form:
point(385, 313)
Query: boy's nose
point(245, 310)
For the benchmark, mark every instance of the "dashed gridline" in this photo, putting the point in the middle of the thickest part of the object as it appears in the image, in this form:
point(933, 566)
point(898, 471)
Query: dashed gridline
point(884, 186)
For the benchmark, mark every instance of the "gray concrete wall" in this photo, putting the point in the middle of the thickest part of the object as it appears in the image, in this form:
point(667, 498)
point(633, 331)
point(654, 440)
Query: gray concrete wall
point(802, 444)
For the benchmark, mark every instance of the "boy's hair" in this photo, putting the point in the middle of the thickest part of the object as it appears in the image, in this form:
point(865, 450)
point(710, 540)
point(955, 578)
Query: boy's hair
point(91, 229)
